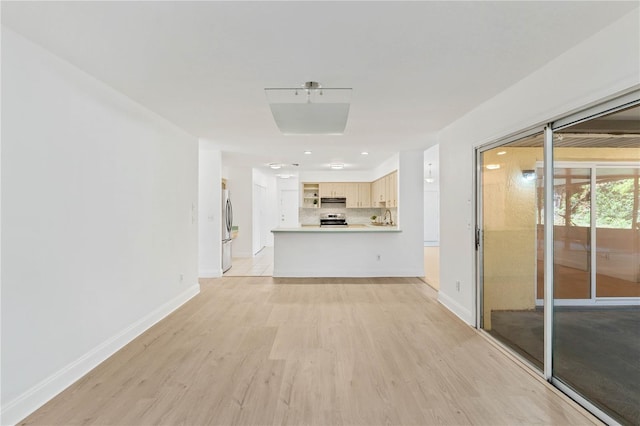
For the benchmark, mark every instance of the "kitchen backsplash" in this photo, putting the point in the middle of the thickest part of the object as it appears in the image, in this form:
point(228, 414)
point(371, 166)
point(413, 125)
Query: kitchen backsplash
point(311, 216)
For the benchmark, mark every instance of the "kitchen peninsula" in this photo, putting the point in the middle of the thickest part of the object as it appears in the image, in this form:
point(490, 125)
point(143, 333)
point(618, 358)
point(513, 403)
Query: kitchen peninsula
point(352, 251)
point(346, 229)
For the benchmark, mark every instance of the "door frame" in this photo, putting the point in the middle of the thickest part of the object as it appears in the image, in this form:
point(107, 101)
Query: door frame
point(605, 107)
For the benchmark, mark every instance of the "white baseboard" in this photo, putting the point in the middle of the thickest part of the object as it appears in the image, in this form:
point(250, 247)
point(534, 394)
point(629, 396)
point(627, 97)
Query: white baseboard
point(460, 311)
point(25, 404)
point(210, 273)
point(345, 273)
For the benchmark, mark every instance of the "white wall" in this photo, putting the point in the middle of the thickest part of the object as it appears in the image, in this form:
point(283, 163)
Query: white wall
point(209, 210)
point(336, 176)
point(388, 166)
point(382, 169)
point(411, 209)
point(432, 197)
point(602, 66)
point(99, 223)
point(264, 225)
point(272, 209)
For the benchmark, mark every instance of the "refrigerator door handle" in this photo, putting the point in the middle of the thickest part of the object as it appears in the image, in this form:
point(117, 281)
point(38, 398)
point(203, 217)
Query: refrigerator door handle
point(229, 216)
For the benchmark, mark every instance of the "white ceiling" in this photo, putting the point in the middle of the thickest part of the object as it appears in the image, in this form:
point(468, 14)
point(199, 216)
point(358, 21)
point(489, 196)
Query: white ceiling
point(414, 66)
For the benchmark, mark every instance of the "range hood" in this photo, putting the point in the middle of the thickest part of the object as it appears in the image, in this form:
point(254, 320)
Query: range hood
point(332, 201)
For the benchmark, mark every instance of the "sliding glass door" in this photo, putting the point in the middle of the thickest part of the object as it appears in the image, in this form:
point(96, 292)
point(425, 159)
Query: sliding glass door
point(565, 295)
point(511, 245)
point(596, 306)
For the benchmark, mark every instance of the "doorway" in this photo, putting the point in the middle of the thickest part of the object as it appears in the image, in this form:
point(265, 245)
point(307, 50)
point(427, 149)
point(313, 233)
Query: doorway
point(259, 218)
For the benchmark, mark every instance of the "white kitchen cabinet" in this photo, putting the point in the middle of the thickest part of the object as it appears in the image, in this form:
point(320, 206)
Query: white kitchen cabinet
point(380, 193)
point(384, 191)
point(332, 189)
point(358, 194)
point(391, 185)
point(364, 194)
point(351, 191)
point(377, 192)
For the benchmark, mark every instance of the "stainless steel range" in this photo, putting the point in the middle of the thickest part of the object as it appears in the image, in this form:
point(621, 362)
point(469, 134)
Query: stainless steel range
point(333, 220)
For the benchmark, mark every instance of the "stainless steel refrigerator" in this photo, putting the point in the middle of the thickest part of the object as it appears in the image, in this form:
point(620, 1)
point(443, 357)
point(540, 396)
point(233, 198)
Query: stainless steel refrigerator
point(227, 223)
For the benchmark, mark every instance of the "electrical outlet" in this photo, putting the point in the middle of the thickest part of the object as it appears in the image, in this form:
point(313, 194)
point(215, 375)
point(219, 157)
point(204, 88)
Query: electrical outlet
point(457, 285)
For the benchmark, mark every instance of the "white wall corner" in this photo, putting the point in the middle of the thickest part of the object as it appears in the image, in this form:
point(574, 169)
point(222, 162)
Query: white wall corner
point(459, 310)
point(22, 406)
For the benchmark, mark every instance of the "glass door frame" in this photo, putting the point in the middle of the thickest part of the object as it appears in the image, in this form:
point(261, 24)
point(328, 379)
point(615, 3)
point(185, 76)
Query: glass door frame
point(605, 107)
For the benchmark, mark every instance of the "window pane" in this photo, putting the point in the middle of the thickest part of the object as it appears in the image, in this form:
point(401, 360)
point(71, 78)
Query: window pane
point(596, 340)
point(511, 217)
point(572, 245)
point(617, 233)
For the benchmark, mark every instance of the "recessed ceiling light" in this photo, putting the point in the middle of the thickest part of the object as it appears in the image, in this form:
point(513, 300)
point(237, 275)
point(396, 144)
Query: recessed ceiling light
point(307, 152)
point(502, 153)
point(364, 153)
point(275, 166)
point(492, 166)
point(336, 166)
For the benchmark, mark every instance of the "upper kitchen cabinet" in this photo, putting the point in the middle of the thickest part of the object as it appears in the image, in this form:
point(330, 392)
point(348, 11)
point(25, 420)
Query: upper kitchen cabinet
point(333, 189)
point(392, 190)
point(310, 195)
point(377, 192)
point(380, 193)
point(384, 191)
point(364, 194)
point(358, 194)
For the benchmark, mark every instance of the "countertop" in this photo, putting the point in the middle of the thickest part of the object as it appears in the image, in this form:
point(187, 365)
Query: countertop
point(350, 228)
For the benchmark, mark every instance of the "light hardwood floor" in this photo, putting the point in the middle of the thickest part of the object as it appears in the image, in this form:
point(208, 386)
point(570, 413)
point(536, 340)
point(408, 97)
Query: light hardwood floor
point(432, 266)
point(265, 351)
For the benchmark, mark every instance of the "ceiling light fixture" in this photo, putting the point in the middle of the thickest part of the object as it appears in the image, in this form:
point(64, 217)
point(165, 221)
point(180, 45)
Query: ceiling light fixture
point(364, 153)
point(283, 175)
point(430, 178)
point(492, 166)
point(337, 166)
point(322, 111)
point(307, 152)
point(275, 166)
